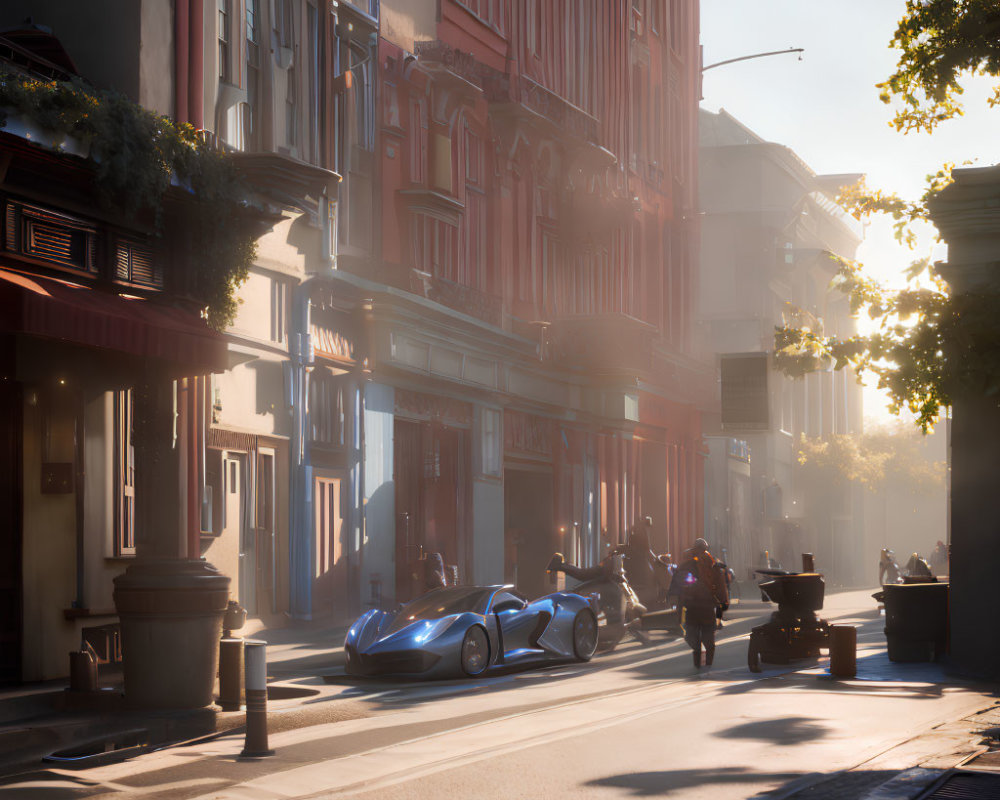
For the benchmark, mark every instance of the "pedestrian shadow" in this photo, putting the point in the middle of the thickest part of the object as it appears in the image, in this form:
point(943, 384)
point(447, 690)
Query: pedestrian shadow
point(781, 731)
point(666, 782)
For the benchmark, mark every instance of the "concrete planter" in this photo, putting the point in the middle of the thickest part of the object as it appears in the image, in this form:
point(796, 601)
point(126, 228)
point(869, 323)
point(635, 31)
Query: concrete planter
point(171, 621)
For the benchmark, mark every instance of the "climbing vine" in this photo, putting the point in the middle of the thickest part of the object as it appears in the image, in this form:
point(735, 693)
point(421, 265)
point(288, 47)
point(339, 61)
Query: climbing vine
point(136, 154)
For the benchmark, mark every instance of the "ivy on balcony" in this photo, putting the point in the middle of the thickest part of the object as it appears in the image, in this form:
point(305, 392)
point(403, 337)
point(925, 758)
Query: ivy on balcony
point(136, 155)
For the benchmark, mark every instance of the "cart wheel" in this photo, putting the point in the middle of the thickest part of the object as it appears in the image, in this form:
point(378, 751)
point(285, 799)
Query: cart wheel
point(753, 655)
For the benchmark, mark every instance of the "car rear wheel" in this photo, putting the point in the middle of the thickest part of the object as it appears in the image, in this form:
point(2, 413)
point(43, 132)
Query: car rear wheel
point(475, 651)
point(584, 635)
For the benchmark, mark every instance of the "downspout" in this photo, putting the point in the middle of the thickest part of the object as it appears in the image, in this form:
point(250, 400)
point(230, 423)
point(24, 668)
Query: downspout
point(196, 74)
point(300, 489)
point(181, 56)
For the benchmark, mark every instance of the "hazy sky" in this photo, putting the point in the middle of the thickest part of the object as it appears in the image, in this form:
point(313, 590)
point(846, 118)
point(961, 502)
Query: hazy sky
point(826, 107)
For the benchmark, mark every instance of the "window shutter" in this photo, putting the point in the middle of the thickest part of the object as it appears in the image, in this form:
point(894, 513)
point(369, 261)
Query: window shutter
point(134, 264)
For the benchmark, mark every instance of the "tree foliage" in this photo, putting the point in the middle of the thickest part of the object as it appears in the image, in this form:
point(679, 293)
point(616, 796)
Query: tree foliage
point(927, 341)
point(877, 461)
point(940, 41)
point(136, 154)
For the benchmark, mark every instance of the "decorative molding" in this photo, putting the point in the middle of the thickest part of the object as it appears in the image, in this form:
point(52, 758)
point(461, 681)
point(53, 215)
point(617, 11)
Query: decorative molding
point(419, 406)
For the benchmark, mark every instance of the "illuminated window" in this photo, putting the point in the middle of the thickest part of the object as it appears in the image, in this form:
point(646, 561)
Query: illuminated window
point(224, 38)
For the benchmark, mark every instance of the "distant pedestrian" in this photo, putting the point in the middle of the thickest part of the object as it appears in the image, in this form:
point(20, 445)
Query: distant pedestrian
point(888, 569)
point(435, 576)
point(939, 559)
point(701, 587)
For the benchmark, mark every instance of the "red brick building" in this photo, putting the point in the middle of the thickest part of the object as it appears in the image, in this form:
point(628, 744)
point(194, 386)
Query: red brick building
point(536, 250)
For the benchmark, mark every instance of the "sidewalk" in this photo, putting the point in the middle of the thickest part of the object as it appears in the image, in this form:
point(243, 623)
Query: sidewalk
point(41, 718)
point(949, 757)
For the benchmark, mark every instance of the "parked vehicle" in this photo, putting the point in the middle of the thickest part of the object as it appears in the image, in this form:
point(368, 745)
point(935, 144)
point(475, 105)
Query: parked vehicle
point(468, 631)
point(794, 630)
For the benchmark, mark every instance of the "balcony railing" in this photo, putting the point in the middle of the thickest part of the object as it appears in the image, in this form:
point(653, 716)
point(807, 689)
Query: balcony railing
point(459, 297)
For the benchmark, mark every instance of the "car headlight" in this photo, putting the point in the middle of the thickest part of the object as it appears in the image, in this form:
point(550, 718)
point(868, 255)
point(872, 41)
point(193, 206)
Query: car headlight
point(432, 629)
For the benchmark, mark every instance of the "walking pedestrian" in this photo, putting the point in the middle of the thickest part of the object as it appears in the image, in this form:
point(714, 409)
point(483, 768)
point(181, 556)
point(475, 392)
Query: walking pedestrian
point(701, 587)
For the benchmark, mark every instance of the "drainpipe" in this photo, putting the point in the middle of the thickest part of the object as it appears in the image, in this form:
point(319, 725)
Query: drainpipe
point(181, 56)
point(300, 470)
point(196, 74)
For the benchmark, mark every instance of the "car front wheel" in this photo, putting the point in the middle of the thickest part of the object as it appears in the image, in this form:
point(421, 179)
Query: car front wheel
point(475, 651)
point(584, 635)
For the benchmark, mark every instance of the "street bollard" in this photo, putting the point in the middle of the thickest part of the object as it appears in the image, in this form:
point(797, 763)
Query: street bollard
point(230, 674)
point(255, 659)
point(843, 651)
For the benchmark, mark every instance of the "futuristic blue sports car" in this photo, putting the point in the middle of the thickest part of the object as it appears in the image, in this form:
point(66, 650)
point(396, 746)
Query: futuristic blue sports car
point(469, 630)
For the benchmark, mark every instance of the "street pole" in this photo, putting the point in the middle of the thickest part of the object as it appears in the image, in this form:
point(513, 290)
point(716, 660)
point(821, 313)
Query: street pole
point(755, 55)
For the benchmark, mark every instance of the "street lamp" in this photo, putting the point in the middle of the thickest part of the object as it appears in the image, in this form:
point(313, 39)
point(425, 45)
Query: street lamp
point(799, 50)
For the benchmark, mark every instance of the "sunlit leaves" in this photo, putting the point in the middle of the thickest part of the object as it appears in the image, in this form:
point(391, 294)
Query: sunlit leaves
point(876, 460)
point(940, 41)
point(927, 343)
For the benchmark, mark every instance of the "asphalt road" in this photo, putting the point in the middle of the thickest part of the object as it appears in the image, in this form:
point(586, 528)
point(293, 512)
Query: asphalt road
point(640, 722)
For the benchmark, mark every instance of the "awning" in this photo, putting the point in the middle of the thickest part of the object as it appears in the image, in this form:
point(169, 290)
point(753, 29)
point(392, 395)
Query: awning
point(61, 310)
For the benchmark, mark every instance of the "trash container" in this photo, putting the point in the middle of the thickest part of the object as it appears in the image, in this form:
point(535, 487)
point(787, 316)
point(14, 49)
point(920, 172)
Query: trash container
point(171, 619)
point(843, 651)
point(916, 621)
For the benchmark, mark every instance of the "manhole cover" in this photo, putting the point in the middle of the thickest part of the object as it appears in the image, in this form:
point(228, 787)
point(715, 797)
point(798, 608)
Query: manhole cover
point(967, 786)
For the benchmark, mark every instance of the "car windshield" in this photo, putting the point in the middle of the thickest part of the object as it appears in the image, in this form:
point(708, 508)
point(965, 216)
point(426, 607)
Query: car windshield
point(439, 603)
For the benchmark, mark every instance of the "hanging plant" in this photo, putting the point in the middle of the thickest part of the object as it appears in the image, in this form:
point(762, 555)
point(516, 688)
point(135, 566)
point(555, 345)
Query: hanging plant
point(136, 154)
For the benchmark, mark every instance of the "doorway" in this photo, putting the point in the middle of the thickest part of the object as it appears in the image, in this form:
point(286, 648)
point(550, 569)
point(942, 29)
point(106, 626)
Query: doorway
point(237, 525)
point(331, 594)
point(430, 474)
point(266, 545)
point(529, 530)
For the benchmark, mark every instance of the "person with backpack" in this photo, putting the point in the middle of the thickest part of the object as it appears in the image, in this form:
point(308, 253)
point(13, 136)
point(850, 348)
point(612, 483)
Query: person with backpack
point(700, 585)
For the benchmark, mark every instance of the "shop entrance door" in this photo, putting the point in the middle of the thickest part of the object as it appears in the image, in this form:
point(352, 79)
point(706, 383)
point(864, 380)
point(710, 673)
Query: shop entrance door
point(331, 585)
point(529, 531)
point(266, 554)
point(430, 474)
point(236, 525)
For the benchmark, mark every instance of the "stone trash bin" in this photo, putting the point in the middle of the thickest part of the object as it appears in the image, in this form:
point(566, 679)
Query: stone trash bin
point(916, 621)
point(171, 621)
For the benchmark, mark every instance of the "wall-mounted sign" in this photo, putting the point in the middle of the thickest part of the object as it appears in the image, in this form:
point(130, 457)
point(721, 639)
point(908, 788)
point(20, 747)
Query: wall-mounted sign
point(745, 401)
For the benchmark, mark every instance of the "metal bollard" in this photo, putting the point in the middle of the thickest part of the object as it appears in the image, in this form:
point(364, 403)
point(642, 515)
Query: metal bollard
point(843, 651)
point(230, 674)
point(255, 660)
